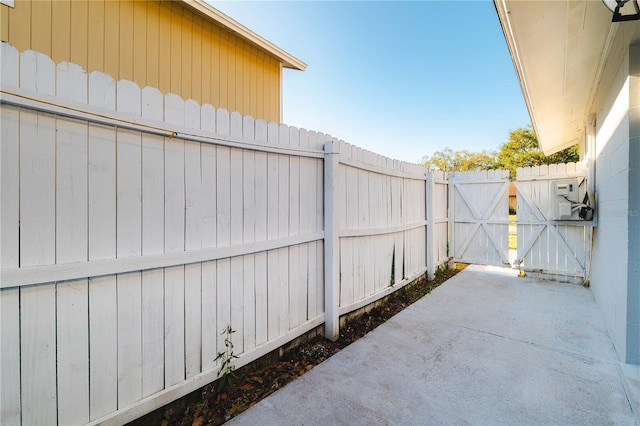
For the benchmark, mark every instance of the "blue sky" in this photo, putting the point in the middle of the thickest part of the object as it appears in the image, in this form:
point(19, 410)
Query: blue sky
point(403, 79)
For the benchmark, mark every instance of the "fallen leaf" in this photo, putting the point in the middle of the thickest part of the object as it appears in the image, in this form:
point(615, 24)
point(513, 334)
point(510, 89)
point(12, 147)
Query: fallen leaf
point(247, 386)
point(198, 421)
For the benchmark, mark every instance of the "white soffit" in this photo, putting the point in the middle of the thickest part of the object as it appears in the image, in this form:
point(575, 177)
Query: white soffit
point(557, 47)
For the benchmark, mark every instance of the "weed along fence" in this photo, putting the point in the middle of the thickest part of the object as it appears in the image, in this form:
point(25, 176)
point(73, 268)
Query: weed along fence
point(135, 227)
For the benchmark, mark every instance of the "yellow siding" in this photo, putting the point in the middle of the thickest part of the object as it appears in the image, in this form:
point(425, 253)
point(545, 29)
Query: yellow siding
point(140, 41)
point(187, 40)
point(95, 54)
point(60, 35)
point(4, 23)
point(20, 25)
point(216, 65)
point(126, 41)
point(41, 26)
point(164, 54)
point(79, 31)
point(156, 43)
point(196, 62)
point(153, 46)
point(110, 49)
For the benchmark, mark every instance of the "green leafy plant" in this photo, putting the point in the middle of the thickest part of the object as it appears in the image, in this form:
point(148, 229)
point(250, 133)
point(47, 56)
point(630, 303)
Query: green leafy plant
point(226, 374)
point(441, 270)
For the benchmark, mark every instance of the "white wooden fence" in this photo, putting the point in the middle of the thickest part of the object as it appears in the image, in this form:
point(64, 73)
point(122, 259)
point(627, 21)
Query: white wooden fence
point(135, 227)
point(480, 216)
point(437, 220)
point(554, 249)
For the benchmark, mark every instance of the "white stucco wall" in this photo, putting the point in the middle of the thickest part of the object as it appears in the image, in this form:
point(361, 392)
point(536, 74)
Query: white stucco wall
point(610, 253)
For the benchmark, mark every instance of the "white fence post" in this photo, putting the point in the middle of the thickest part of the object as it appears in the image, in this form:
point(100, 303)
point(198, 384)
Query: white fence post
point(429, 200)
point(331, 243)
point(451, 197)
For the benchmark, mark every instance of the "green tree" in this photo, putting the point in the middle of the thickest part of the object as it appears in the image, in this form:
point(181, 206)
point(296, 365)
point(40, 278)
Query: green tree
point(449, 160)
point(520, 150)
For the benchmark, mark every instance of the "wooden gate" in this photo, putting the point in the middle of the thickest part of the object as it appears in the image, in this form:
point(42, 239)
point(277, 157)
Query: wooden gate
point(479, 218)
point(555, 249)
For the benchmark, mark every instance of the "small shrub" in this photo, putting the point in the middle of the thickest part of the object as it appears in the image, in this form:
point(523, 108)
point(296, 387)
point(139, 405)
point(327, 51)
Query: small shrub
point(227, 370)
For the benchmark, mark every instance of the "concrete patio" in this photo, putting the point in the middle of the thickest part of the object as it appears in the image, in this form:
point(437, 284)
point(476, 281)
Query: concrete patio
point(486, 347)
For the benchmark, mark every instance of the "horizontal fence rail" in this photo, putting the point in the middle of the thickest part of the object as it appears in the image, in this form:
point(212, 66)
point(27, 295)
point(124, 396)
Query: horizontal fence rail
point(136, 226)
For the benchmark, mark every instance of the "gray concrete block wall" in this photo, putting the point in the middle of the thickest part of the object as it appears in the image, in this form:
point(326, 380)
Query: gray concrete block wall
point(609, 276)
point(633, 272)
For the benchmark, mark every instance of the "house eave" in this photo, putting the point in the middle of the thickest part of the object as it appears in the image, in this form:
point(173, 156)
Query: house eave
point(212, 14)
point(558, 48)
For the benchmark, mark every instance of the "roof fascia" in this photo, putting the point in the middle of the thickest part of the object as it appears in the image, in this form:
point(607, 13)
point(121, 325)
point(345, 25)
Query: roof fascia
point(209, 12)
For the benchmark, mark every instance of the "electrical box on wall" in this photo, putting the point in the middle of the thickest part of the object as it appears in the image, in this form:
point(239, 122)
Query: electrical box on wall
point(565, 195)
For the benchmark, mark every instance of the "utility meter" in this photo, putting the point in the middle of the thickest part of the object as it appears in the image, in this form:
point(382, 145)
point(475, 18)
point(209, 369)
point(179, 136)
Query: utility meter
point(565, 196)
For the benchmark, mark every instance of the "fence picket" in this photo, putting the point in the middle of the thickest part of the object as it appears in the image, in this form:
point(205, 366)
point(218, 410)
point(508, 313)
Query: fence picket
point(9, 186)
point(71, 246)
point(38, 351)
point(193, 318)
point(249, 236)
point(152, 298)
point(37, 189)
point(73, 351)
point(10, 360)
point(209, 315)
point(9, 65)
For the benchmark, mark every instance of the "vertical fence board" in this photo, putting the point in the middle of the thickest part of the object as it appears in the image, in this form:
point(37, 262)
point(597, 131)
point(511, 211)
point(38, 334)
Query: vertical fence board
point(249, 231)
point(37, 189)
point(273, 279)
point(129, 320)
point(283, 196)
point(209, 309)
point(174, 195)
point(174, 277)
point(129, 187)
point(152, 331)
point(193, 318)
point(152, 177)
point(193, 241)
point(295, 284)
point(38, 353)
point(208, 192)
point(102, 172)
point(10, 360)
point(174, 332)
point(272, 196)
point(9, 65)
point(223, 300)
point(153, 183)
point(71, 191)
point(72, 343)
point(193, 196)
point(302, 284)
point(237, 303)
point(283, 291)
point(208, 283)
point(261, 310)
point(9, 186)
